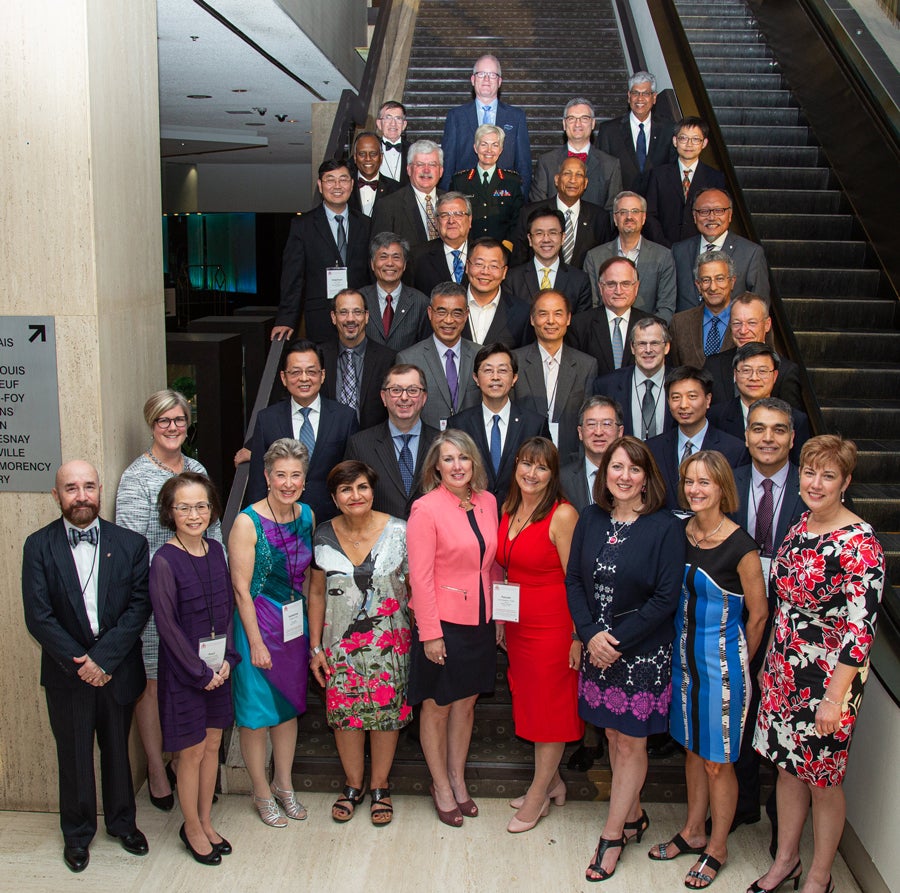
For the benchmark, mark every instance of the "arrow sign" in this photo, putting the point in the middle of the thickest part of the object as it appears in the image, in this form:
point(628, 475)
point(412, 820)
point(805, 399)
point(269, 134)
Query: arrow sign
point(39, 332)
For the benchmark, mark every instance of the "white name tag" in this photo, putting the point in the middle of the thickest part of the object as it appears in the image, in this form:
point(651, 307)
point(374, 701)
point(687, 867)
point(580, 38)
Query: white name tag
point(292, 618)
point(554, 432)
point(212, 652)
point(506, 602)
point(767, 570)
point(335, 281)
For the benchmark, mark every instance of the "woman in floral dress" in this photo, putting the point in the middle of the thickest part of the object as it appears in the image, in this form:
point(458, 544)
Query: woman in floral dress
point(829, 577)
point(360, 635)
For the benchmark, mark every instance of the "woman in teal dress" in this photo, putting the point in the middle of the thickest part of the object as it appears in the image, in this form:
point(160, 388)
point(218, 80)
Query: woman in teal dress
point(269, 551)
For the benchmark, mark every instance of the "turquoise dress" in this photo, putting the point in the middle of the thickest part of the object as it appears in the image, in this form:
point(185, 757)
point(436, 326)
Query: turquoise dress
point(283, 553)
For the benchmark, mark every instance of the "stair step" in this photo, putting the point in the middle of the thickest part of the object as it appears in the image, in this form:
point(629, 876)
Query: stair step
point(807, 226)
point(877, 462)
point(862, 416)
point(745, 98)
point(425, 96)
point(761, 177)
point(823, 283)
point(879, 504)
point(766, 116)
point(824, 346)
point(837, 380)
point(752, 135)
point(737, 21)
point(438, 38)
point(846, 313)
point(800, 252)
point(713, 67)
point(715, 50)
point(890, 542)
point(776, 156)
point(802, 201)
point(712, 35)
point(721, 80)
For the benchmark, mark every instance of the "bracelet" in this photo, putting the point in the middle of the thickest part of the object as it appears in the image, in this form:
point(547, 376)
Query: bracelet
point(836, 703)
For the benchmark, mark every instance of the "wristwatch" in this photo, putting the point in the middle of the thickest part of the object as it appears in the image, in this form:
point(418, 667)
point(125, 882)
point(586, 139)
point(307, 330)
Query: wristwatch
point(317, 650)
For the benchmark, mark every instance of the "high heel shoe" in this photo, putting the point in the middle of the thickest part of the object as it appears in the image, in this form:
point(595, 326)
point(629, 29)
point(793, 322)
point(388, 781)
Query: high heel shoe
point(793, 875)
point(223, 847)
point(452, 817)
point(603, 845)
point(165, 803)
point(211, 858)
point(292, 807)
point(517, 826)
point(557, 794)
point(269, 812)
point(639, 827)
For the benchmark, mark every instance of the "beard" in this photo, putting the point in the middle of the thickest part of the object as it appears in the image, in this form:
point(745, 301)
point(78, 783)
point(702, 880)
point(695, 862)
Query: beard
point(81, 514)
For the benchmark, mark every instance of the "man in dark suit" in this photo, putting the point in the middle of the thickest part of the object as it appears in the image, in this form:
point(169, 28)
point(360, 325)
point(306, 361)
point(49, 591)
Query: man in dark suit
point(688, 391)
point(368, 185)
point(547, 269)
point(446, 358)
point(84, 591)
point(604, 332)
point(354, 366)
point(398, 314)
point(444, 259)
point(669, 203)
point(410, 211)
point(553, 377)
point(585, 224)
point(639, 388)
point(712, 217)
point(458, 140)
point(604, 175)
point(329, 236)
point(324, 426)
point(498, 426)
point(641, 140)
point(391, 124)
point(654, 263)
point(396, 448)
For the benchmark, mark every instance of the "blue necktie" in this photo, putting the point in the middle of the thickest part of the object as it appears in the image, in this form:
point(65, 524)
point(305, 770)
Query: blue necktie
point(495, 444)
point(488, 115)
point(713, 338)
point(618, 347)
point(91, 535)
point(407, 473)
point(457, 265)
point(307, 437)
point(341, 238)
point(641, 149)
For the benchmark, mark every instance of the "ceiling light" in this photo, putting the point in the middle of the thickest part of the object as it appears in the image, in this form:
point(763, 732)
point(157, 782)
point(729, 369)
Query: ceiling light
point(199, 96)
point(239, 90)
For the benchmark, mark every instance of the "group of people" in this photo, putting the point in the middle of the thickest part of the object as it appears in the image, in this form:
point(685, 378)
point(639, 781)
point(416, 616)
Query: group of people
point(626, 500)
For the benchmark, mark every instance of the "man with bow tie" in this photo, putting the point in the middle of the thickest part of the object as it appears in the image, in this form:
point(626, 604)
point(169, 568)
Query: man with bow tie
point(391, 124)
point(368, 184)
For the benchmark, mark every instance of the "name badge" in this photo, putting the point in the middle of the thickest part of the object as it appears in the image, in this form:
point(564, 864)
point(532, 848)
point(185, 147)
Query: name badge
point(767, 569)
point(443, 424)
point(292, 618)
point(554, 432)
point(335, 281)
point(212, 652)
point(506, 602)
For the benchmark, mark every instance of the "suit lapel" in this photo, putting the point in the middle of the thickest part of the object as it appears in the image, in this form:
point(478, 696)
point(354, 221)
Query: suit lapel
point(533, 371)
point(65, 562)
point(628, 142)
point(433, 360)
point(513, 439)
point(601, 334)
point(411, 204)
point(384, 451)
point(320, 221)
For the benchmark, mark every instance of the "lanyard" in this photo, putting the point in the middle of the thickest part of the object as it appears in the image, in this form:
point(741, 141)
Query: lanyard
point(207, 589)
point(509, 544)
point(292, 564)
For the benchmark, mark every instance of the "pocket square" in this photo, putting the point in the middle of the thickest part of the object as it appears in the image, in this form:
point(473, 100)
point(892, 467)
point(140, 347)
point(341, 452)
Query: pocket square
point(508, 126)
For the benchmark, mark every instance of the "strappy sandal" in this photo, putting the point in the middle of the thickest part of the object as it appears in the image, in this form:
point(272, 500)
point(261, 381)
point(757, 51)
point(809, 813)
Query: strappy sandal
point(698, 874)
point(382, 813)
point(292, 807)
point(684, 849)
point(269, 812)
point(603, 845)
point(351, 796)
point(639, 827)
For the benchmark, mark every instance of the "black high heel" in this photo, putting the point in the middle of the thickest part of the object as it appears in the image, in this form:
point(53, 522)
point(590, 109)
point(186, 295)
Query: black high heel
point(165, 803)
point(639, 827)
point(223, 847)
point(211, 858)
point(603, 845)
point(793, 875)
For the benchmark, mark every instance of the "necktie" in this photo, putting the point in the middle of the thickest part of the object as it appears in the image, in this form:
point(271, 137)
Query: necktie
point(552, 380)
point(91, 535)
point(568, 238)
point(495, 444)
point(484, 178)
point(686, 183)
point(713, 338)
point(341, 238)
point(457, 265)
point(452, 377)
point(307, 437)
point(429, 216)
point(764, 518)
point(687, 451)
point(617, 346)
point(648, 412)
point(710, 246)
point(545, 278)
point(371, 184)
point(641, 148)
point(349, 385)
point(388, 316)
point(388, 146)
point(407, 472)
point(582, 155)
point(488, 115)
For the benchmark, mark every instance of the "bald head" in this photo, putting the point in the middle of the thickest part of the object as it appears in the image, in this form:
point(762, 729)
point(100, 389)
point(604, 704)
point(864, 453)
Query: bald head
point(77, 492)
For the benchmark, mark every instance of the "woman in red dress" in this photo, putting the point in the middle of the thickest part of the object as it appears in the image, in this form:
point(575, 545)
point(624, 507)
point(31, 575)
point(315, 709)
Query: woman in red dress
point(533, 549)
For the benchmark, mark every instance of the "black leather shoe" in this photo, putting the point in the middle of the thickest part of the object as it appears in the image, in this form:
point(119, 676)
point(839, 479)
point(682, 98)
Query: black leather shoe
point(661, 746)
point(76, 858)
point(165, 803)
point(740, 818)
point(582, 759)
point(134, 842)
point(214, 857)
point(223, 847)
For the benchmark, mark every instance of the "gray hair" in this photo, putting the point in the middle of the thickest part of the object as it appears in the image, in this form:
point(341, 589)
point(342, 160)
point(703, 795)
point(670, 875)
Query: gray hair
point(454, 197)
point(490, 56)
point(286, 448)
point(384, 239)
point(642, 77)
point(431, 478)
point(748, 297)
point(490, 130)
point(645, 322)
point(424, 147)
point(579, 100)
point(712, 257)
point(625, 193)
point(162, 401)
point(604, 401)
point(776, 404)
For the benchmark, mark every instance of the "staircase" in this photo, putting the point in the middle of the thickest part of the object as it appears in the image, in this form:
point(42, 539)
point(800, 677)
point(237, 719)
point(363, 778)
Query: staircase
point(844, 317)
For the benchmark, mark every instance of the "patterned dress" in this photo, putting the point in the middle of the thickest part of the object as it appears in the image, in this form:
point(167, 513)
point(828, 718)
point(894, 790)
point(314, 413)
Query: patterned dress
point(828, 588)
point(367, 635)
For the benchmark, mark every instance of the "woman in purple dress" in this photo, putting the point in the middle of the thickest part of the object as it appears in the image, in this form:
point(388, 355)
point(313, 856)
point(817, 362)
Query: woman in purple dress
point(193, 602)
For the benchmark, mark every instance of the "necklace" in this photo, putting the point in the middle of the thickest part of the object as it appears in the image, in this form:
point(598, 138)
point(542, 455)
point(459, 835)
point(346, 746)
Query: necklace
point(364, 536)
point(697, 540)
point(163, 465)
point(618, 530)
point(466, 503)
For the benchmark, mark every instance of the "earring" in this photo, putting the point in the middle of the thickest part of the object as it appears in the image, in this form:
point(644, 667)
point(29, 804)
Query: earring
point(842, 495)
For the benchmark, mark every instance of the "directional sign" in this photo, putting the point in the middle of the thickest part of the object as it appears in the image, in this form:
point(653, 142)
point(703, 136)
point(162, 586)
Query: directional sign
point(30, 449)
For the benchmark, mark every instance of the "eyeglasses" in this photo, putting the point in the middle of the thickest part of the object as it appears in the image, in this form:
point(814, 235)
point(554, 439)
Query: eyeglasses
point(707, 212)
point(451, 215)
point(486, 76)
point(640, 94)
point(492, 267)
point(355, 312)
point(618, 286)
point(540, 233)
point(396, 391)
point(456, 313)
point(294, 374)
point(594, 424)
point(648, 345)
point(392, 118)
point(201, 508)
point(628, 212)
point(752, 372)
point(752, 324)
point(180, 421)
point(707, 281)
point(343, 180)
point(689, 140)
point(578, 119)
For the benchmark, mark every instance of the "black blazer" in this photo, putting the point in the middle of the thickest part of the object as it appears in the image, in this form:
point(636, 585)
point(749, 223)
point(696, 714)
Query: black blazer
point(377, 361)
point(593, 228)
point(385, 187)
point(574, 483)
point(522, 282)
point(523, 423)
point(55, 614)
point(410, 323)
point(510, 325)
point(375, 447)
point(618, 386)
point(336, 425)
point(670, 217)
point(399, 213)
point(614, 137)
point(787, 385)
point(589, 333)
point(428, 267)
point(729, 418)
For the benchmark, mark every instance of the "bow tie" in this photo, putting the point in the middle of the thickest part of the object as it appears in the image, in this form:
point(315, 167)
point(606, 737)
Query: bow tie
point(582, 155)
point(372, 184)
point(92, 535)
point(388, 146)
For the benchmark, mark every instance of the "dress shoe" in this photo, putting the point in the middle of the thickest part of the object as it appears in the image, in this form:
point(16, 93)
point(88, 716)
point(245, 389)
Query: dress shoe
point(661, 746)
point(166, 803)
point(517, 825)
point(740, 818)
point(76, 858)
point(134, 842)
point(223, 847)
point(582, 758)
point(214, 857)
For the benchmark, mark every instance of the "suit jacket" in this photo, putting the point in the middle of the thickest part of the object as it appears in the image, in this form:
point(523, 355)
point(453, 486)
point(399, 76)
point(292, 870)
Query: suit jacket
point(410, 323)
point(729, 418)
point(510, 325)
point(375, 447)
point(619, 386)
point(574, 483)
point(656, 270)
point(428, 267)
point(664, 448)
point(385, 187)
point(404, 149)
point(614, 137)
point(686, 330)
point(670, 216)
point(309, 251)
point(523, 423)
point(593, 228)
point(750, 265)
point(787, 385)
point(438, 407)
point(589, 333)
point(378, 359)
point(399, 213)
point(495, 206)
point(55, 614)
point(337, 423)
point(522, 283)
point(576, 371)
point(458, 142)
point(603, 172)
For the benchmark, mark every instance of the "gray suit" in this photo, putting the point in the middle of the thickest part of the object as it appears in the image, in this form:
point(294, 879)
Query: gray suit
point(686, 330)
point(439, 406)
point(410, 324)
point(656, 269)
point(576, 373)
point(603, 172)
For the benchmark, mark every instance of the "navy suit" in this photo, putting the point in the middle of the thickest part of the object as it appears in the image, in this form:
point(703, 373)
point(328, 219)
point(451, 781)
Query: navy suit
point(670, 216)
point(787, 385)
point(522, 283)
point(337, 423)
point(619, 386)
point(458, 142)
point(428, 267)
point(589, 333)
point(603, 172)
point(376, 363)
point(615, 138)
point(729, 418)
point(592, 228)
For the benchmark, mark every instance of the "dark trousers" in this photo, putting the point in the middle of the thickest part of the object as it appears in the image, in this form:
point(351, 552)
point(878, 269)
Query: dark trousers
point(76, 716)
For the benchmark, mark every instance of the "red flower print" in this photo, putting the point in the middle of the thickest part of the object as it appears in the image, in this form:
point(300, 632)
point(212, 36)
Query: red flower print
point(810, 568)
point(859, 554)
point(358, 640)
point(388, 606)
point(383, 694)
point(386, 641)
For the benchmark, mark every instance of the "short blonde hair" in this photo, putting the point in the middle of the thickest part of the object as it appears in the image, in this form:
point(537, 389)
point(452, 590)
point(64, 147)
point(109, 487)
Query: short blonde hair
point(830, 449)
point(489, 130)
point(719, 472)
point(162, 401)
point(431, 477)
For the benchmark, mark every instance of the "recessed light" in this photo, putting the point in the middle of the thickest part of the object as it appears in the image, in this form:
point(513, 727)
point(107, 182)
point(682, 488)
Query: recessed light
point(254, 123)
point(238, 112)
point(291, 120)
point(199, 96)
point(239, 90)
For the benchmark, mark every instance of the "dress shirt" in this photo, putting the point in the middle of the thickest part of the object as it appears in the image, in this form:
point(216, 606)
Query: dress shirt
point(690, 171)
point(696, 440)
point(553, 268)
point(590, 472)
point(719, 243)
point(724, 321)
point(382, 298)
point(332, 224)
point(420, 201)
point(575, 209)
point(397, 439)
point(479, 105)
point(463, 256)
point(358, 358)
point(623, 328)
point(637, 397)
point(87, 561)
point(481, 316)
point(585, 151)
point(392, 163)
point(635, 130)
point(489, 171)
point(779, 481)
point(297, 417)
point(366, 197)
point(633, 254)
point(489, 422)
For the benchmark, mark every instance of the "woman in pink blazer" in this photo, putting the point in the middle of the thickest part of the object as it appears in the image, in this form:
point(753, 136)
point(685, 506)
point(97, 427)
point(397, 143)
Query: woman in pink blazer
point(452, 541)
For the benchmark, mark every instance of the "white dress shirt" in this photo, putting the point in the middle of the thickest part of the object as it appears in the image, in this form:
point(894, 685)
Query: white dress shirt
point(314, 415)
point(637, 399)
point(553, 268)
point(488, 415)
point(420, 201)
point(87, 563)
point(635, 130)
point(481, 316)
point(779, 482)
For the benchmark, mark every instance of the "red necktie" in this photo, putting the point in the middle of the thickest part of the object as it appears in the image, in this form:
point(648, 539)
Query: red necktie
point(581, 155)
point(388, 316)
